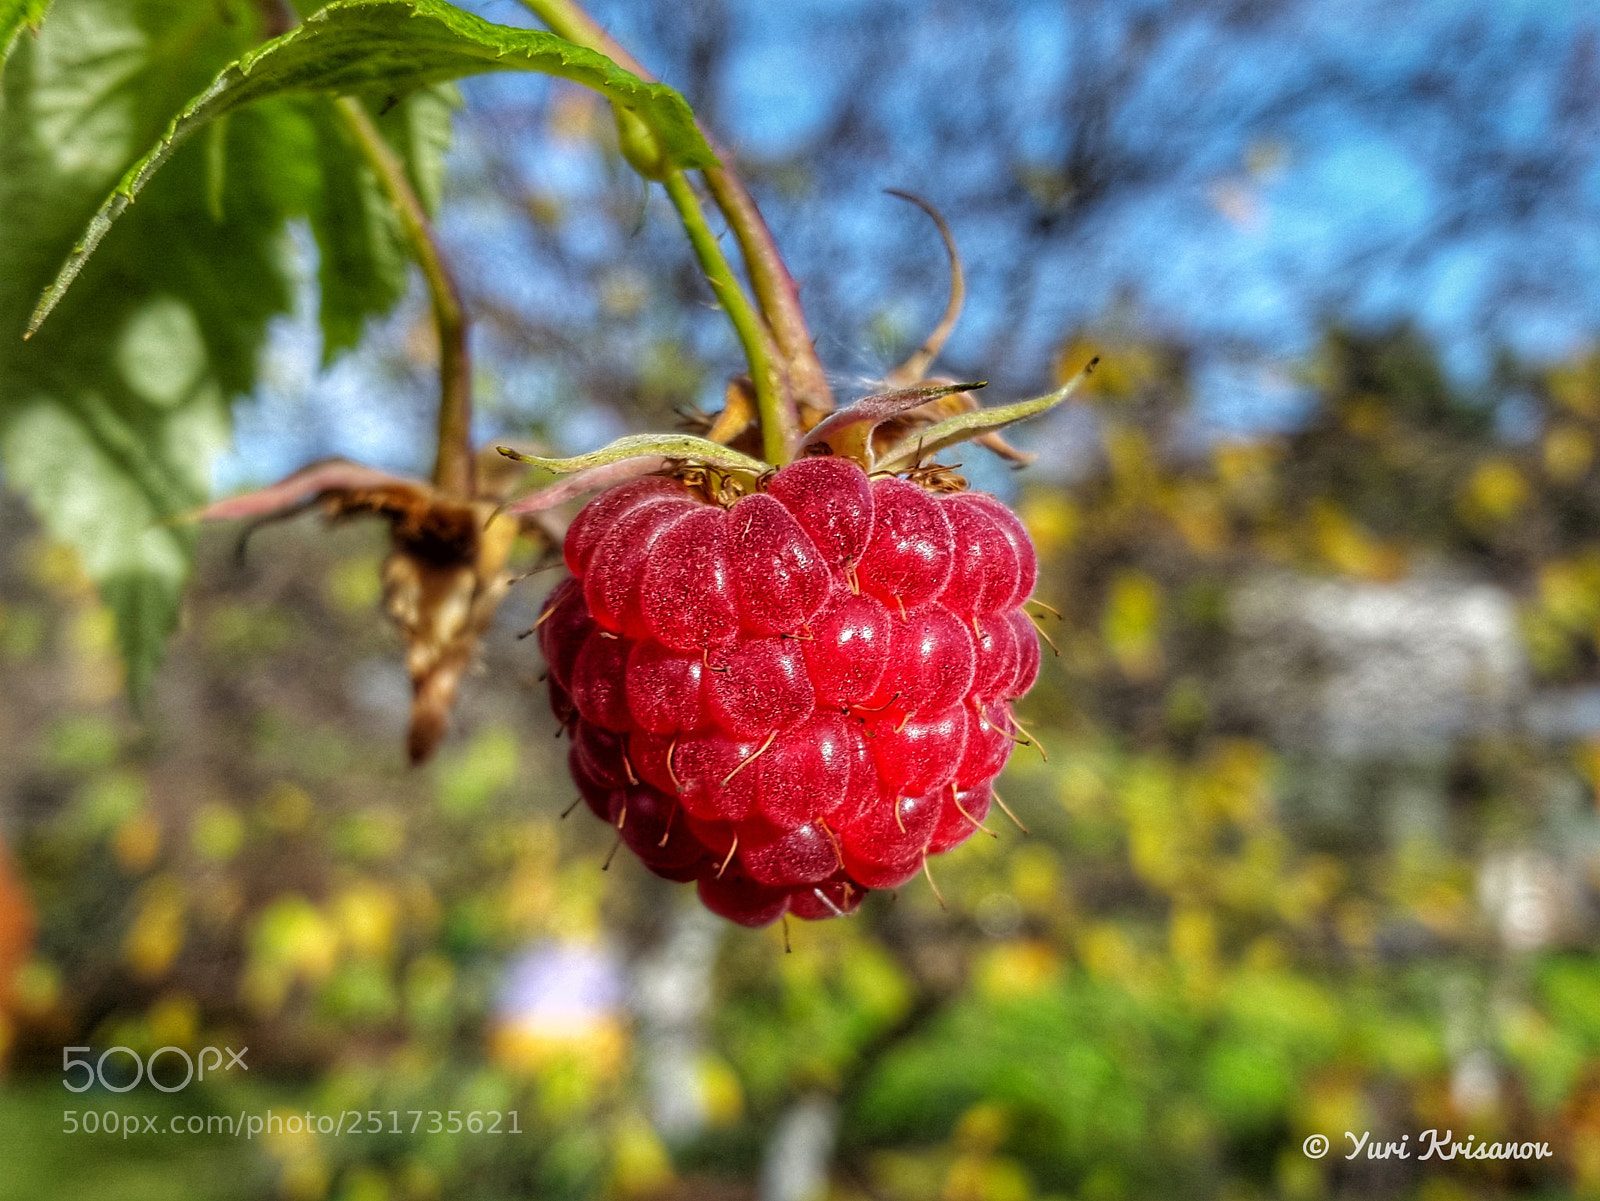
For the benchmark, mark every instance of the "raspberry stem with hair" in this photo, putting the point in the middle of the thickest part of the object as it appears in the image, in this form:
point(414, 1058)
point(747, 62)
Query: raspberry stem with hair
point(800, 385)
point(453, 470)
point(779, 425)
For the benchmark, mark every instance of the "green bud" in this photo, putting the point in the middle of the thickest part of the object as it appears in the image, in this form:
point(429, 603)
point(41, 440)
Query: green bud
point(639, 144)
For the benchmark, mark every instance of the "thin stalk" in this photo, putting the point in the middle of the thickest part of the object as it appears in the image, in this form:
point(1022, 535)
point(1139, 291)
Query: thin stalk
point(774, 287)
point(453, 471)
point(778, 428)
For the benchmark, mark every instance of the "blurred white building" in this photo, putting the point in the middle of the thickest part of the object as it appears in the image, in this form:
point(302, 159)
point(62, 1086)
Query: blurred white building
point(1358, 669)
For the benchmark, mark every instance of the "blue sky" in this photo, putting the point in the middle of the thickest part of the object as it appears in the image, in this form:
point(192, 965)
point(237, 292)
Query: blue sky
point(1247, 253)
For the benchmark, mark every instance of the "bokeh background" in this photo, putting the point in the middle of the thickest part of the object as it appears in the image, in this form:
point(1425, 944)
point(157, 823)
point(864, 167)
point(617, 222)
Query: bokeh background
point(1316, 847)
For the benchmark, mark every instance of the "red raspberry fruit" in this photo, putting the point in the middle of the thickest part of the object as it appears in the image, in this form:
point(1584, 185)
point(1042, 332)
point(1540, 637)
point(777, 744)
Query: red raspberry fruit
point(796, 698)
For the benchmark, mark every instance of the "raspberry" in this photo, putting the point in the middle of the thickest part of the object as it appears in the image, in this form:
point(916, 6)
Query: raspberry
point(798, 697)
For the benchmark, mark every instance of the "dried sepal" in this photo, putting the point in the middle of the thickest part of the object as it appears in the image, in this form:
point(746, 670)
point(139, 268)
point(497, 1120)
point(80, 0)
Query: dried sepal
point(327, 478)
point(966, 427)
point(442, 584)
point(848, 432)
point(443, 580)
point(738, 415)
point(900, 429)
point(915, 368)
point(592, 479)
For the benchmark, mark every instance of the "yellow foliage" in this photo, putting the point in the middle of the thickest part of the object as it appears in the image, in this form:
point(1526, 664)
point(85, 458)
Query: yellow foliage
point(1347, 547)
point(1576, 385)
point(1496, 492)
point(304, 1174)
point(56, 568)
point(1126, 368)
point(1365, 416)
point(157, 933)
point(175, 1021)
point(982, 1128)
point(1197, 511)
point(1082, 785)
point(1019, 968)
point(292, 942)
point(367, 914)
point(137, 842)
point(364, 1183)
point(287, 807)
point(1192, 935)
point(217, 831)
point(1586, 757)
point(987, 1178)
point(533, 889)
point(1248, 471)
point(1130, 624)
point(1036, 877)
point(1357, 923)
point(1569, 592)
point(354, 586)
point(1235, 780)
point(1158, 839)
point(1568, 452)
point(1052, 520)
point(598, 1046)
point(1107, 953)
point(721, 1094)
point(36, 988)
point(640, 1164)
point(1134, 468)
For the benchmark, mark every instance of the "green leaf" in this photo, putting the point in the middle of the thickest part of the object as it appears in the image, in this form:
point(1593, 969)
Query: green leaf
point(110, 416)
point(637, 446)
point(108, 421)
point(15, 16)
point(965, 426)
point(419, 128)
point(388, 47)
point(363, 262)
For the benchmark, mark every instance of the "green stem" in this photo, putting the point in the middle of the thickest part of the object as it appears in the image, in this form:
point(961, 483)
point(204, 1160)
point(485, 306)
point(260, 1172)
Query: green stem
point(779, 430)
point(774, 287)
point(454, 470)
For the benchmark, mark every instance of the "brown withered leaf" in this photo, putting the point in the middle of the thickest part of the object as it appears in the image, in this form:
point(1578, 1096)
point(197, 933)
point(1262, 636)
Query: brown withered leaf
point(443, 579)
point(442, 583)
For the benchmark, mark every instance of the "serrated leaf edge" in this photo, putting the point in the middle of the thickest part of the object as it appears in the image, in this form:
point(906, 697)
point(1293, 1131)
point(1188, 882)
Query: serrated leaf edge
point(192, 117)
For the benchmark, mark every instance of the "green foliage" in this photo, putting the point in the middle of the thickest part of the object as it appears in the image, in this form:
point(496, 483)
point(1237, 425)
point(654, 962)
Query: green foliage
point(108, 420)
point(387, 47)
point(1160, 993)
point(16, 16)
point(110, 416)
point(363, 262)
